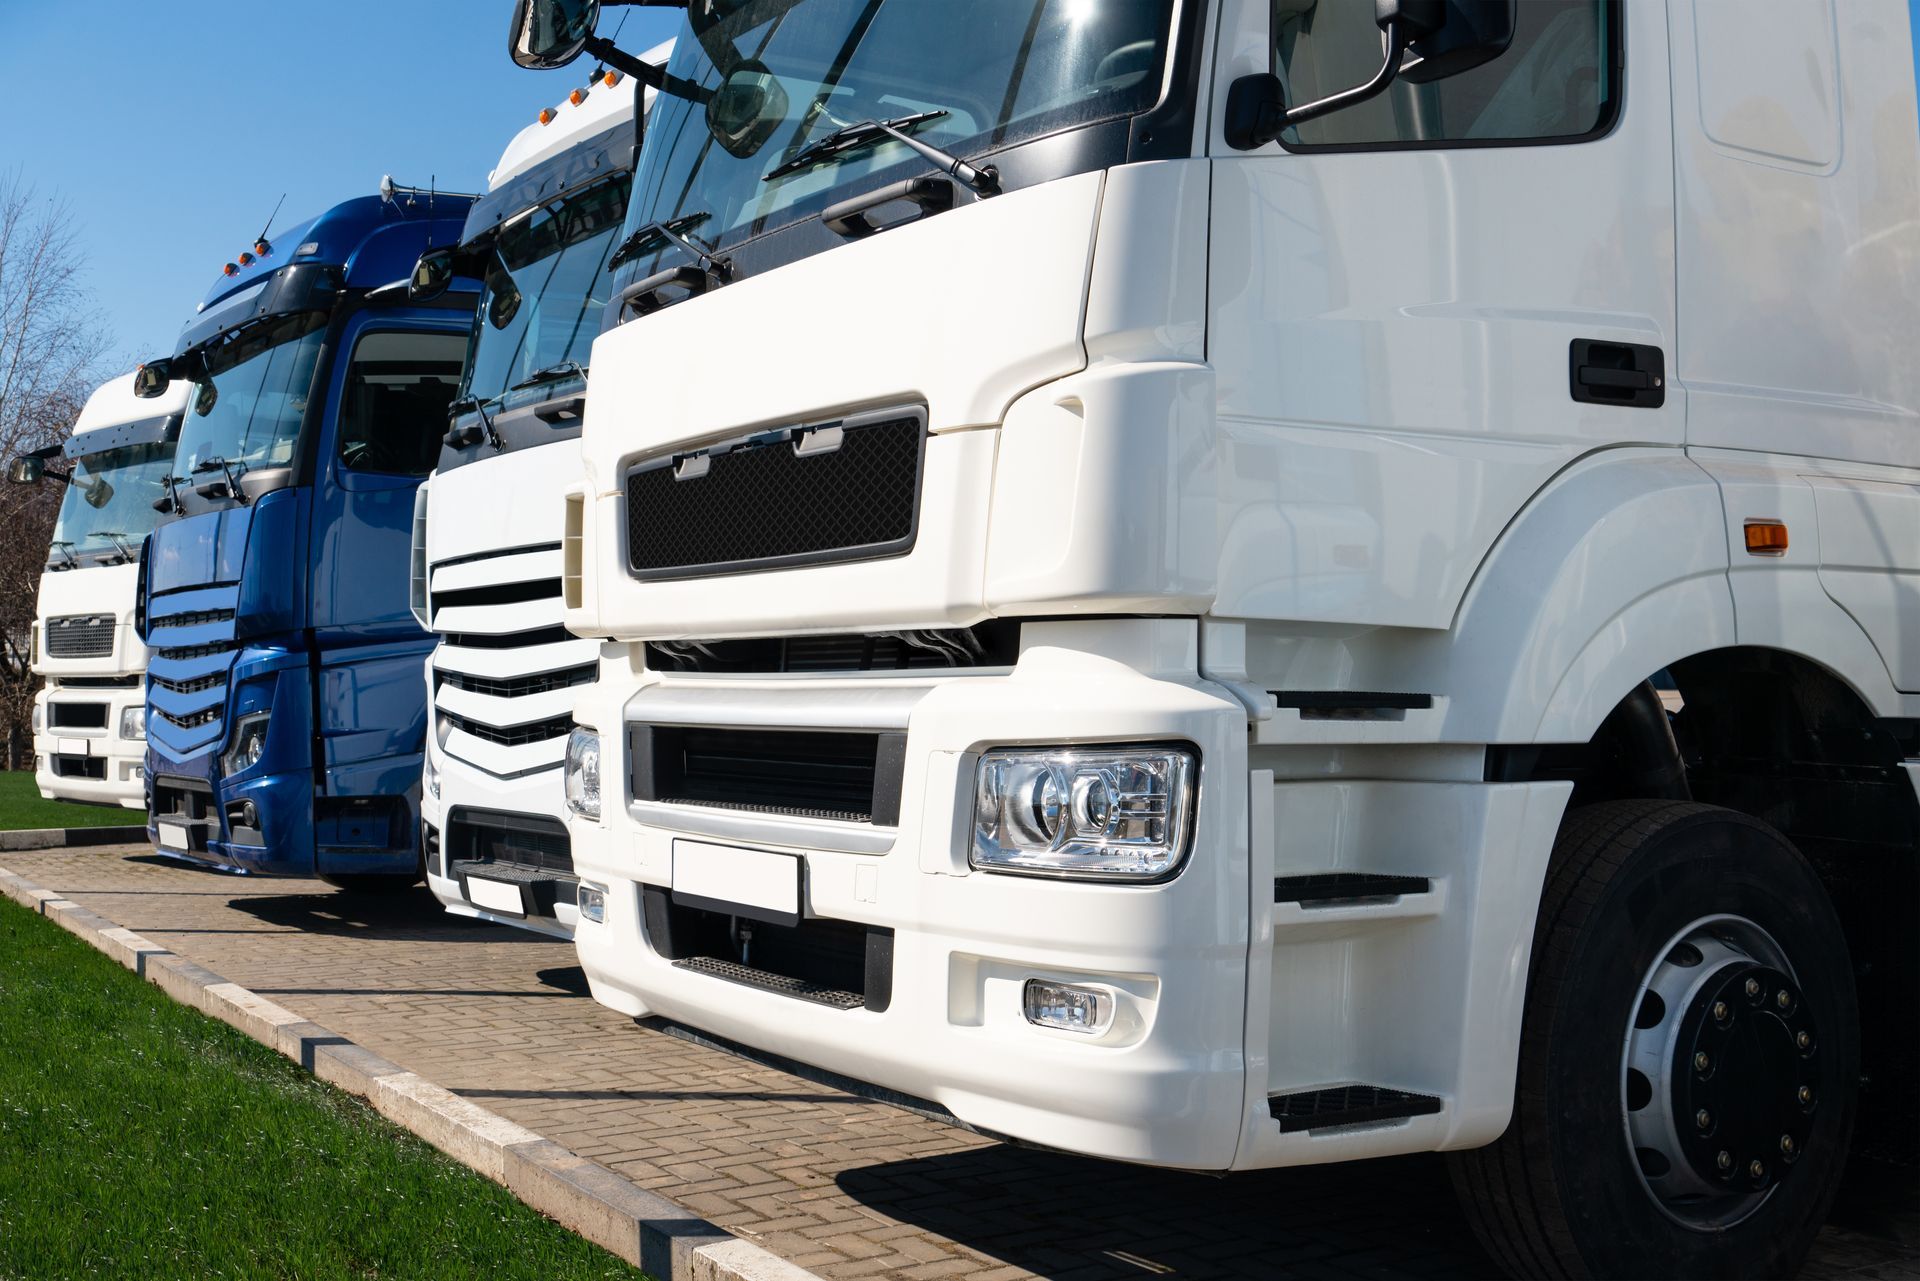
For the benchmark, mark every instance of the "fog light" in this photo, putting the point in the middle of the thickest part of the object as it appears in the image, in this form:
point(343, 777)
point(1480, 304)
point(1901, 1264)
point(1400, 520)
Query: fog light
point(1069, 1008)
point(593, 902)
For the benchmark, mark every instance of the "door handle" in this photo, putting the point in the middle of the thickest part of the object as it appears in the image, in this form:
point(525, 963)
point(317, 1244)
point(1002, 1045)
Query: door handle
point(1616, 373)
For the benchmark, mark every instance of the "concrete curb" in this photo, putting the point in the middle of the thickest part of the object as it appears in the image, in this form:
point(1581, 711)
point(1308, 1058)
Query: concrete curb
point(665, 1240)
point(48, 838)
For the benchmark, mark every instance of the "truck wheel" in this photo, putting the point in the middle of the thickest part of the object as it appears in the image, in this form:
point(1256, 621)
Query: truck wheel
point(1689, 1056)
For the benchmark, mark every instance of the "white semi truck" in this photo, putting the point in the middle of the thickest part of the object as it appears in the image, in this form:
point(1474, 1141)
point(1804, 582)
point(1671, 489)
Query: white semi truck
point(89, 720)
point(1154, 654)
point(486, 532)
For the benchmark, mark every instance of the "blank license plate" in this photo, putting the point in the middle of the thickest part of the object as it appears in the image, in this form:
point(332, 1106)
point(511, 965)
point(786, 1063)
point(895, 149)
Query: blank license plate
point(72, 746)
point(175, 837)
point(494, 896)
point(752, 883)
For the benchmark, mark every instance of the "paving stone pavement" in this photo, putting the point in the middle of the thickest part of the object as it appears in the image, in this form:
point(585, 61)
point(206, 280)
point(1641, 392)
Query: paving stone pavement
point(844, 1187)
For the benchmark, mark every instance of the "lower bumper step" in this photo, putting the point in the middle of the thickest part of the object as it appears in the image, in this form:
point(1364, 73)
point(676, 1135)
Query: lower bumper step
point(1347, 1105)
point(747, 976)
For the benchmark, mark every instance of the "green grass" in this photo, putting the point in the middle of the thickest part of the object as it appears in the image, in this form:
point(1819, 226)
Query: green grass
point(22, 807)
point(139, 1138)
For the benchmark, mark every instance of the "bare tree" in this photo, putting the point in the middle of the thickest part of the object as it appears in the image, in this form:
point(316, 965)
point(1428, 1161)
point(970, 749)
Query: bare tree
point(51, 345)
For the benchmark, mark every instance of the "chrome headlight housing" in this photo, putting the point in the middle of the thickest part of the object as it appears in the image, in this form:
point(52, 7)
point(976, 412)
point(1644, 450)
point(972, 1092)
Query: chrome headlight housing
point(249, 743)
point(583, 773)
point(1096, 813)
point(133, 722)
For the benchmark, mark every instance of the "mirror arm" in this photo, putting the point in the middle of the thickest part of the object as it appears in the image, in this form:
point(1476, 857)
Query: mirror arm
point(1255, 124)
point(620, 60)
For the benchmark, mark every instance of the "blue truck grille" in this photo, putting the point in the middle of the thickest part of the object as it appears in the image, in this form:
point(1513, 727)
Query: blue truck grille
point(191, 637)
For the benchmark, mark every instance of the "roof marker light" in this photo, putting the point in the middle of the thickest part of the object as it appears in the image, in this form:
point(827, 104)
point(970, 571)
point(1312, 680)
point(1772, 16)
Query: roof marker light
point(546, 115)
point(577, 97)
point(229, 270)
point(311, 247)
point(246, 260)
point(262, 246)
point(611, 79)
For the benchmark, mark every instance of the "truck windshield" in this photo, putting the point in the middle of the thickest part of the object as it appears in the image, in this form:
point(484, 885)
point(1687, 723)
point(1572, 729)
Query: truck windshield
point(997, 72)
point(252, 397)
point(546, 284)
point(108, 507)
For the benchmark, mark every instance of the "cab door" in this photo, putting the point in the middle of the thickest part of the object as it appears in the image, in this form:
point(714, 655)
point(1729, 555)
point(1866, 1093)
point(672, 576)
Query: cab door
point(390, 385)
point(1396, 291)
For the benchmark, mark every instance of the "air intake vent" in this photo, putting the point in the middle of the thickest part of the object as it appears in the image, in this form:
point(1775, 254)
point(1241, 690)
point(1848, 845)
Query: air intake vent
point(995, 644)
point(80, 636)
point(850, 777)
point(834, 492)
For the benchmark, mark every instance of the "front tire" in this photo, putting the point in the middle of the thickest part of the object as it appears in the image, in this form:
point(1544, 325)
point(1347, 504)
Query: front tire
point(1689, 1056)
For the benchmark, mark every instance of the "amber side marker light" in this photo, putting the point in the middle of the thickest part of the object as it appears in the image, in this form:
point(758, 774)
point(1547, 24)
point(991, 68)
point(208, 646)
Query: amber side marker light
point(1766, 538)
point(577, 97)
point(546, 115)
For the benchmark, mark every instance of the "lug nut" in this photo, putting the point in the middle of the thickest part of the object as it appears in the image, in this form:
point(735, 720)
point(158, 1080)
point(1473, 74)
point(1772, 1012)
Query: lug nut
point(1753, 987)
point(1783, 999)
point(1804, 1040)
point(1786, 1144)
point(1804, 1094)
point(1700, 1061)
point(1703, 1118)
point(1724, 1160)
point(1757, 1169)
point(1719, 1011)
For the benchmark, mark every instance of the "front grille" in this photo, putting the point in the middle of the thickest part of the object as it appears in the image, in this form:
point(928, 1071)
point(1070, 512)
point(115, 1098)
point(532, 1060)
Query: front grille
point(196, 651)
point(80, 636)
point(94, 682)
point(511, 735)
point(508, 640)
point(524, 840)
point(193, 686)
point(497, 594)
point(995, 644)
point(193, 618)
point(519, 686)
point(778, 499)
point(850, 777)
point(191, 720)
point(77, 715)
point(842, 964)
point(93, 767)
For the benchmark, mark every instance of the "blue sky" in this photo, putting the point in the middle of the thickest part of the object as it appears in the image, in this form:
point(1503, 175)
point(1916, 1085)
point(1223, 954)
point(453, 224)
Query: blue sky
point(171, 129)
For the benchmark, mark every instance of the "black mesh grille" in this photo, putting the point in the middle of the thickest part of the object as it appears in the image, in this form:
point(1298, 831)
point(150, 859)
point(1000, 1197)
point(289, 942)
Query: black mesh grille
point(519, 686)
point(193, 618)
point(192, 720)
point(196, 651)
point(193, 686)
point(852, 777)
point(762, 502)
point(80, 636)
point(512, 735)
point(526, 840)
point(995, 644)
point(508, 640)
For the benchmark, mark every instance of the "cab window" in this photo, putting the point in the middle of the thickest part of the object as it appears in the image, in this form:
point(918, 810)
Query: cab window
point(1557, 81)
point(394, 411)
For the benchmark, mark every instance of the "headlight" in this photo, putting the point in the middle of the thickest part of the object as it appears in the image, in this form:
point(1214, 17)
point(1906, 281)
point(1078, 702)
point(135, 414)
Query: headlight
point(133, 721)
point(249, 743)
point(417, 562)
point(1100, 813)
point(38, 714)
point(430, 777)
point(583, 773)
point(442, 727)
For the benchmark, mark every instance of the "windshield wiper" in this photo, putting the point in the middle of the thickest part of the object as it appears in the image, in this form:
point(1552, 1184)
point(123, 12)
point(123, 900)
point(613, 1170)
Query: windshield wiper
point(66, 549)
point(225, 468)
point(170, 502)
point(984, 180)
point(461, 437)
point(119, 540)
point(658, 235)
point(551, 374)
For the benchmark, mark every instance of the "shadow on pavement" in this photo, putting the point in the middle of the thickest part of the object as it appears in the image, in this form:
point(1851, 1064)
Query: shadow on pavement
point(411, 915)
point(1057, 1215)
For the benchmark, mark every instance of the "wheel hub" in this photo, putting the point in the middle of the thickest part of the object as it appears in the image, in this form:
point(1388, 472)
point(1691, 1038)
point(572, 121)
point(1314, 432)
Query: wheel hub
point(1721, 1076)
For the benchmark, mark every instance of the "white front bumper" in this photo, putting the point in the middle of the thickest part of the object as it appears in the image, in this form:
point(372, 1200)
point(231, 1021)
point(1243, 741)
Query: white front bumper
point(121, 759)
point(463, 785)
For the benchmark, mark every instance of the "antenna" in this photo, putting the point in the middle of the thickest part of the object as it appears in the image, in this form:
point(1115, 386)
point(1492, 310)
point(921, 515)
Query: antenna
point(613, 39)
point(261, 245)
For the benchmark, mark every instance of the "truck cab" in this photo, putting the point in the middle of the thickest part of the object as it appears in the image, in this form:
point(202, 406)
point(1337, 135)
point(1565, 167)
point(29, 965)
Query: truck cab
point(285, 711)
point(89, 721)
point(1154, 654)
point(487, 523)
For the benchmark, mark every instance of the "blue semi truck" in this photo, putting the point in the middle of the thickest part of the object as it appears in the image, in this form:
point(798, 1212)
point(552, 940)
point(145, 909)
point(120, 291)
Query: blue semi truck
point(286, 710)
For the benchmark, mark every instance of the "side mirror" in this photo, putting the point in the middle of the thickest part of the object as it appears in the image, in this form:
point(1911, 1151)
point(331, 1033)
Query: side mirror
point(152, 378)
point(746, 109)
point(431, 275)
point(551, 33)
point(1445, 37)
point(98, 494)
point(27, 469)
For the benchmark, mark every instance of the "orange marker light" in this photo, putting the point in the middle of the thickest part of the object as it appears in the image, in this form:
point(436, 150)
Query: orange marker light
point(1767, 537)
point(546, 115)
point(577, 97)
point(229, 270)
point(262, 247)
point(246, 260)
point(611, 79)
